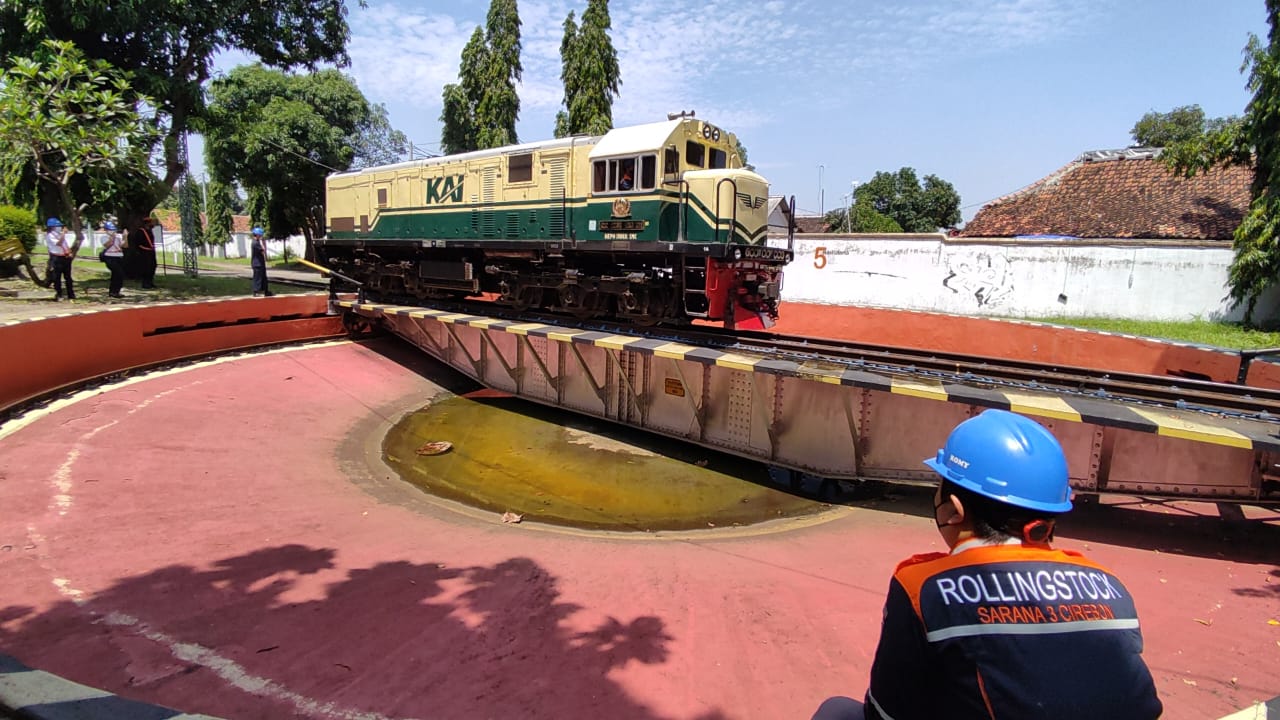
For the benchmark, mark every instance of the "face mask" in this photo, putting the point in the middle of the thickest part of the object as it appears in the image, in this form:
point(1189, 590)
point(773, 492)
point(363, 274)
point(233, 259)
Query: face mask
point(936, 507)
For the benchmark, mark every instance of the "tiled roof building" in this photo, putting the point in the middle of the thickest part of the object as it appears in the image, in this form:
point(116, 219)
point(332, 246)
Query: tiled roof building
point(1121, 194)
point(171, 220)
point(811, 224)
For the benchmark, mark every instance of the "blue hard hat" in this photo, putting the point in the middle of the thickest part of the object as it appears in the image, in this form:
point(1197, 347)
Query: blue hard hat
point(110, 225)
point(257, 231)
point(53, 222)
point(1009, 458)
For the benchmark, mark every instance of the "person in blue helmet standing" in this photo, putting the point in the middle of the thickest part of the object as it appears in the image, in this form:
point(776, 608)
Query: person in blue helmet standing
point(258, 261)
point(113, 257)
point(55, 239)
point(1004, 625)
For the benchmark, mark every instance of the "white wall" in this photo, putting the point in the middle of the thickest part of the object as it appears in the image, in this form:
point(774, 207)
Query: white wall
point(238, 247)
point(1136, 279)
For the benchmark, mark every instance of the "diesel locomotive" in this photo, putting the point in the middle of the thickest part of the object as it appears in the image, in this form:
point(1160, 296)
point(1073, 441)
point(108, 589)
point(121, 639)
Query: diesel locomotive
point(653, 223)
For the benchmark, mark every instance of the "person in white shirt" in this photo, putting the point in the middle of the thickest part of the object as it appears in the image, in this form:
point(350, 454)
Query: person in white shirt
point(113, 256)
point(55, 239)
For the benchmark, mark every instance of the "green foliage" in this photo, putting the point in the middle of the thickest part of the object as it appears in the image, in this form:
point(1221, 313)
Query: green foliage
point(915, 208)
point(219, 214)
point(499, 106)
point(280, 136)
point(1163, 129)
point(18, 224)
point(458, 132)
point(1235, 336)
point(590, 73)
point(376, 142)
point(480, 111)
point(865, 219)
point(68, 118)
point(168, 48)
point(1253, 141)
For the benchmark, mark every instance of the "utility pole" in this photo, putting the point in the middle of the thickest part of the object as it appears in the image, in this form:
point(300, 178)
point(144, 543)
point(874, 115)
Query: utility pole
point(821, 168)
point(853, 190)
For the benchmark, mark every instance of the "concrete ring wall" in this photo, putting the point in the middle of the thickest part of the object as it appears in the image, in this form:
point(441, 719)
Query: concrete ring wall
point(45, 354)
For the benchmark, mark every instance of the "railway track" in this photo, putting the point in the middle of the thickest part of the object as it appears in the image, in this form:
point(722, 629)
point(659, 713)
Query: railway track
point(1173, 392)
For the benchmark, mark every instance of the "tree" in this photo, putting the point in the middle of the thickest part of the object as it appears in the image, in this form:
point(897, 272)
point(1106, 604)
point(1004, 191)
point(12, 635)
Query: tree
point(864, 219)
point(219, 214)
point(590, 73)
point(480, 111)
point(69, 119)
point(915, 208)
point(168, 48)
point(1179, 125)
point(376, 142)
point(1252, 141)
point(1161, 129)
point(459, 133)
point(742, 154)
point(499, 106)
point(280, 136)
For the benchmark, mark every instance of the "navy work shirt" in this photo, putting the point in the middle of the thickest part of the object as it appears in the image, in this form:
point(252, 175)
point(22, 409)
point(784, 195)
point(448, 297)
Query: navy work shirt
point(1009, 631)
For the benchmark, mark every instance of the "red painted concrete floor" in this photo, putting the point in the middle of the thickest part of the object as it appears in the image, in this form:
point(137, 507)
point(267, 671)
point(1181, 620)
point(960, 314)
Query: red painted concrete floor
point(214, 540)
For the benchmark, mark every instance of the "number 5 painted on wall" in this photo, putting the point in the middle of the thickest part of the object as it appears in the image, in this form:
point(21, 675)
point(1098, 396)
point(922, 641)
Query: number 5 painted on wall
point(820, 257)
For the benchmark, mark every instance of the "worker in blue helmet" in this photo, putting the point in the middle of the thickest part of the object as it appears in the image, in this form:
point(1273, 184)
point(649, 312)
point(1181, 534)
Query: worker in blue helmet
point(1003, 625)
point(258, 261)
point(60, 256)
point(113, 257)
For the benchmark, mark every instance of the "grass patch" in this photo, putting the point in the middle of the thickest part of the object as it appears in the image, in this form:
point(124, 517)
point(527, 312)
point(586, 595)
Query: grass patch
point(1228, 335)
point(92, 280)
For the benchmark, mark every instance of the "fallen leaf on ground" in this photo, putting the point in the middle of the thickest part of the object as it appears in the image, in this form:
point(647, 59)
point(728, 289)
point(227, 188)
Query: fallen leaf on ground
point(1206, 623)
point(435, 447)
point(510, 517)
point(1192, 683)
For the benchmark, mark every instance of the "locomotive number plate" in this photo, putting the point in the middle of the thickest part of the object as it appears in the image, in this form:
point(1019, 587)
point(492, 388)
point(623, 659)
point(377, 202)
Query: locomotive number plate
point(622, 225)
point(761, 252)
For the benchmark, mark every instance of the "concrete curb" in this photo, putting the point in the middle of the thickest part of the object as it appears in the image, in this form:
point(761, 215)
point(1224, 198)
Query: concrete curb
point(37, 695)
point(1260, 711)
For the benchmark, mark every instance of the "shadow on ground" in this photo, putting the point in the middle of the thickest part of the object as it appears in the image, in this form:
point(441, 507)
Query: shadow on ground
point(245, 639)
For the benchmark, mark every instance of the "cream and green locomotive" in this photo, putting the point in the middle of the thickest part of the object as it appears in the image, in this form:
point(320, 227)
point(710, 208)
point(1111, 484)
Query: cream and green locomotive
point(650, 223)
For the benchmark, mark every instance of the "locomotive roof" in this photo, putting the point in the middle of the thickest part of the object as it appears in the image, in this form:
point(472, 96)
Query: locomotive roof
point(618, 141)
point(477, 154)
point(636, 138)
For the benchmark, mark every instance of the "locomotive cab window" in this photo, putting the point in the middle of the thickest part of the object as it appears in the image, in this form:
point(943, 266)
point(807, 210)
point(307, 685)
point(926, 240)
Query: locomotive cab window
point(622, 175)
point(719, 159)
point(648, 172)
point(599, 176)
point(520, 168)
point(627, 174)
point(670, 161)
point(695, 153)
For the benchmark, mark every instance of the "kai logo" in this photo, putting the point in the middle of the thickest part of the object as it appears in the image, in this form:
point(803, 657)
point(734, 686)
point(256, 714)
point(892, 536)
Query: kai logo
point(446, 189)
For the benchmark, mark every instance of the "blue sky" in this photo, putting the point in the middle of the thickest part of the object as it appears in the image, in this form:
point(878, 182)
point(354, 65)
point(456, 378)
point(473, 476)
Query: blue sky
point(990, 95)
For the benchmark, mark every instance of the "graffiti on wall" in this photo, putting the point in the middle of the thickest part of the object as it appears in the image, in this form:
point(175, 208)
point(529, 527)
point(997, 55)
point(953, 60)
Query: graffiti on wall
point(984, 277)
